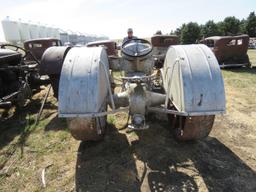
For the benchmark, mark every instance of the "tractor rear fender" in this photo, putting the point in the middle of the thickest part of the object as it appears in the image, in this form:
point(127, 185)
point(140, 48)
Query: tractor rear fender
point(84, 82)
point(192, 80)
point(52, 60)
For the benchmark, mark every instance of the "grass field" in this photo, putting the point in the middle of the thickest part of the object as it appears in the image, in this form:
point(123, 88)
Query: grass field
point(147, 161)
point(252, 55)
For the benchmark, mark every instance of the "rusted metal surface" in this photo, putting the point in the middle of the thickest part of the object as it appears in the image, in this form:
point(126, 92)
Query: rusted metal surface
point(160, 45)
point(191, 128)
point(51, 65)
point(164, 40)
point(85, 129)
point(109, 45)
point(229, 49)
point(38, 46)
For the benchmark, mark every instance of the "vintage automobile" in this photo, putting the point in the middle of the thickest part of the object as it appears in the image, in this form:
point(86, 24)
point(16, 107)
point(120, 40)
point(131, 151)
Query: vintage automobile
point(109, 45)
point(160, 45)
point(38, 46)
point(230, 51)
point(188, 88)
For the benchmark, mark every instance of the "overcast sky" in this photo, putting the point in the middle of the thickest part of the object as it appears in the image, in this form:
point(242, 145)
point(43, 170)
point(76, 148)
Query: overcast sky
point(113, 17)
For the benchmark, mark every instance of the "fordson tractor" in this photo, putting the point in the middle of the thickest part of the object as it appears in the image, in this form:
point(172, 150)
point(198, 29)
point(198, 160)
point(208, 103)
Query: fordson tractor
point(187, 87)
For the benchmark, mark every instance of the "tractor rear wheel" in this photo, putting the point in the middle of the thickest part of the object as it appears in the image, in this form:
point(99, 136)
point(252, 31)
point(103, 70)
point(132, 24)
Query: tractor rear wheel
point(191, 128)
point(87, 129)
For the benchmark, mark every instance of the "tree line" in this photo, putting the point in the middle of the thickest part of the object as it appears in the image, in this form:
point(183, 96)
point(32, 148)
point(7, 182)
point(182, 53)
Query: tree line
point(191, 32)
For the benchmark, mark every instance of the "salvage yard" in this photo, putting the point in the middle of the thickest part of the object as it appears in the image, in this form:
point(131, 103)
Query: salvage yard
point(149, 160)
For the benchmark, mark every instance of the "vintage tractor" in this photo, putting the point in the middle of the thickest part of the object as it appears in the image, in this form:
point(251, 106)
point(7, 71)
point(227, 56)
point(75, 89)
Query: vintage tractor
point(19, 70)
point(188, 88)
point(17, 76)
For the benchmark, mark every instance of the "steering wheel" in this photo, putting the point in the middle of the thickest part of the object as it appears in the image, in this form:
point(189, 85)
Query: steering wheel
point(136, 47)
point(24, 53)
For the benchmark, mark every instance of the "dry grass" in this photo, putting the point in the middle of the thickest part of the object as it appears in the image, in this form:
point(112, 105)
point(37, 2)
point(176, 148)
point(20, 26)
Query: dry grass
point(26, 149)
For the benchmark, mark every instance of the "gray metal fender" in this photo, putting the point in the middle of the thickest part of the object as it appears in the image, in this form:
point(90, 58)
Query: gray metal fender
point(193, 80)
point(84, 82)
point(52, 60)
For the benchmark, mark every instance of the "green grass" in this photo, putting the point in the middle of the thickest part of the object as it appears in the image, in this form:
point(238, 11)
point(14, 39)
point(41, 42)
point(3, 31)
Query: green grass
point(240, 85)
point(242, 78)
point(111, 119)
point(26, 148)
point(33, 150)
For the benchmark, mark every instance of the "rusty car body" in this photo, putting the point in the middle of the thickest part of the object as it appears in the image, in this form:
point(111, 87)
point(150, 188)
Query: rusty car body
point(109, 45)
point(160, 45)
point(38, 46)
point(230, 51)
point(164, 40)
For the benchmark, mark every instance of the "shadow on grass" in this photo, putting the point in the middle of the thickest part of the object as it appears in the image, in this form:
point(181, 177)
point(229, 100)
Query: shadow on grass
point(20, 123)
point(106, 165)
point(156, 162)
point(242, 70)
point(57, 124)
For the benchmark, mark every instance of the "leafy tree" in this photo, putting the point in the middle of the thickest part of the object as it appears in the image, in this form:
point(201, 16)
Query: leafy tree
point(178, 30)
point(190, 33)
point(243, 24)
point(251, 25)
point(231, 26)
point(210, 29)
point(172, 32)
point(221, 28)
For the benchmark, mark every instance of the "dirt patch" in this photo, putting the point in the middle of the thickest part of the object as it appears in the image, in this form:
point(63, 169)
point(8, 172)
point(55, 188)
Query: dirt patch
point(152, 160)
